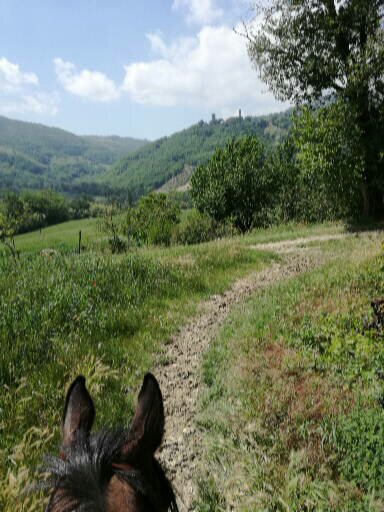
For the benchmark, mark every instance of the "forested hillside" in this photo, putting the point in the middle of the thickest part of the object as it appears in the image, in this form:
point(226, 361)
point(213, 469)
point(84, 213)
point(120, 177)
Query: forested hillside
point(33, 156)
point(36, 156)
point(153, 165)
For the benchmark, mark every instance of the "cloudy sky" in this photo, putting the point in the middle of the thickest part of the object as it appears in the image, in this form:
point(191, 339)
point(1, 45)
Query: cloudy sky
point(142, 68)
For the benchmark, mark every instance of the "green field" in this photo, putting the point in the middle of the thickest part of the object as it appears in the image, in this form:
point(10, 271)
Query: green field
point(64, 237)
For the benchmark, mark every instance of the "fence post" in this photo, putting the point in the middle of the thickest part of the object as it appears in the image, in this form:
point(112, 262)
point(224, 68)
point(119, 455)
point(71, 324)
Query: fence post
point(79, 241)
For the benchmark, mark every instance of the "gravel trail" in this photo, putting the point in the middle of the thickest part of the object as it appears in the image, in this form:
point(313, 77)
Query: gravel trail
point(180, 378)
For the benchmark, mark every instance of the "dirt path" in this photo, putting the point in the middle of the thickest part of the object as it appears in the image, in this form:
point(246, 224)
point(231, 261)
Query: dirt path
point(180, 378)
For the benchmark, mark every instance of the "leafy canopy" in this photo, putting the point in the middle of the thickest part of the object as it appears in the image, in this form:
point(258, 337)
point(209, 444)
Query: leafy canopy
point(152, 220)
point(310, 49)
point(329, 161)
point(306, 47)
point(233, 185)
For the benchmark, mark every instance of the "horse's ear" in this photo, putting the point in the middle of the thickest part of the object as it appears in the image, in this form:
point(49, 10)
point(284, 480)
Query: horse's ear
point(148, 423)
point(79, 413)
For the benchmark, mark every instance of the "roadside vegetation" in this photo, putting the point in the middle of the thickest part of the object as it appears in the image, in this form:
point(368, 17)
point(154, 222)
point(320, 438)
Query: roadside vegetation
point(105, 316)
point(292, 415)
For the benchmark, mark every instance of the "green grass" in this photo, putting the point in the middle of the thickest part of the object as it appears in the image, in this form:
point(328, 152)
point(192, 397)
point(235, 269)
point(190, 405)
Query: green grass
point(292, 415)
point(101, 315)
point(109, 317)
point(64, 237)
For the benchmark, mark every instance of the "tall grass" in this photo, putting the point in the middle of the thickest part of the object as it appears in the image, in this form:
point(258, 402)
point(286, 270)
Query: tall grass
point(100, 315)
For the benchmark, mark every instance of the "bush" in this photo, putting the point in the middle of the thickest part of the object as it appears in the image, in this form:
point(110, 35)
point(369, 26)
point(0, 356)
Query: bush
point(284, 198)
point(199, 228)
point(152, 221)
point(117, 244)
point(233, 185)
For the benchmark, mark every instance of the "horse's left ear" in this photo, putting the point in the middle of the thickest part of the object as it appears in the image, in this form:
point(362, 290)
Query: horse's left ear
point(79, 413)
point(148, 424)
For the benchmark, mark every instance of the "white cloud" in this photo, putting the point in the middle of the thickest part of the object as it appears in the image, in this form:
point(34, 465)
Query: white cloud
point(38, 103)
point(92, 85)
point(175, 51)
point(12, 78)
point(199, 11)
point(211, 70)
point(19, 92)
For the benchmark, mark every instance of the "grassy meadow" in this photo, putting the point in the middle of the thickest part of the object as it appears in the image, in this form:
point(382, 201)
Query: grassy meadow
point(105, 316)
point(63, 237)
point(292, 413)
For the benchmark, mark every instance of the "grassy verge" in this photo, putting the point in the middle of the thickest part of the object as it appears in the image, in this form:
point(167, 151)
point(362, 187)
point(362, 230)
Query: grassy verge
point(99, 315)
point(292, 415)
point(63, 237)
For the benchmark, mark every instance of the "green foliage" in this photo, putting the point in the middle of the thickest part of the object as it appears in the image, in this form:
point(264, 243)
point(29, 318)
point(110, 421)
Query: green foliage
point(285, 413)
point(80, 207)
point(96, 314)
point(152, 166)
point(43, 313)
point(210, 499)
point(359, 443)
point(311, 49)
point(33, 156)
point(284, 200)
point(342, 48)
point(37, 209)
point(233, 185)
point(330, 163)
point(198, 228)
point(152, 221)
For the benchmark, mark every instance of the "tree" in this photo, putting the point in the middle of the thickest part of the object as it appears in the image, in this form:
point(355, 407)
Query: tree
point(12, 215)
point(152, 221)
point(233, 185)
point(308, 49)
point(329, 161)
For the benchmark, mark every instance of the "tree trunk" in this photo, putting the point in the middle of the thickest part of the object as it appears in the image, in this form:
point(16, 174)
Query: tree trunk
point(366, 200)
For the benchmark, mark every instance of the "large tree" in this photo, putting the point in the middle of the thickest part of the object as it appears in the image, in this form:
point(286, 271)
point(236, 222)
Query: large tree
point(233, 185)
point(308, 49)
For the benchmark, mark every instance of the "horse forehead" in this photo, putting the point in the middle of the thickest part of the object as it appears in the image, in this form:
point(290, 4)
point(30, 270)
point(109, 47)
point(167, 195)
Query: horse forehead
point(121, 497)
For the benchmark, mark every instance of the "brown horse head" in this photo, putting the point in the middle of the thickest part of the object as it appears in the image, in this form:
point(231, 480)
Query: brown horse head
point(110, 471)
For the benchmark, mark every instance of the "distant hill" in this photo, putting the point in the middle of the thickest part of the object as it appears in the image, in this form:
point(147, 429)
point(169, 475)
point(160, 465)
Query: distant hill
point(37, 156)
point(33, 156)
point(162, 161)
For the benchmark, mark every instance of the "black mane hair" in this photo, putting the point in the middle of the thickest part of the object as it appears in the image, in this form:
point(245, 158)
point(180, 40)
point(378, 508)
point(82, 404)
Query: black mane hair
point(87, 469)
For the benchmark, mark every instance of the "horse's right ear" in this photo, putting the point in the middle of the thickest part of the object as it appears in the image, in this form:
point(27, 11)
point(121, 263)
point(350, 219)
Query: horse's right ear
point(148, 424)
point(79, 413)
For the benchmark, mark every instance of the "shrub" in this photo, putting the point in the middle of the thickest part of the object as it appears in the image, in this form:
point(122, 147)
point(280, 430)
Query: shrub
point(152, 221)
point(117, 244)
point(233, 186)
point(199, 228)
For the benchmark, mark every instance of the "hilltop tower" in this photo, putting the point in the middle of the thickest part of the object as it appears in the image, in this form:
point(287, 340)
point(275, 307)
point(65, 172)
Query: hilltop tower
point(240, 116)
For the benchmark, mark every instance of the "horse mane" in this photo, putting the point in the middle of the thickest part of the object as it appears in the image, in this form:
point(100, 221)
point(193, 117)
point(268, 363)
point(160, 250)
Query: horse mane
point(85, 471)
point(82, 476)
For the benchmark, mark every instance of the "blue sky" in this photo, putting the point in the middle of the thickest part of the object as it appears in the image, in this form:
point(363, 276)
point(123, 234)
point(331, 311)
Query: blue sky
point(143, 68)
